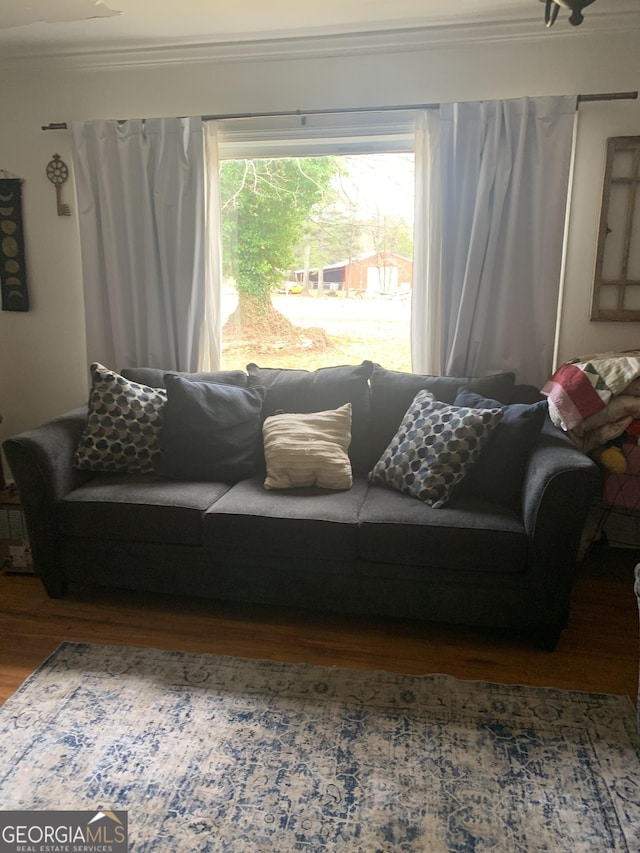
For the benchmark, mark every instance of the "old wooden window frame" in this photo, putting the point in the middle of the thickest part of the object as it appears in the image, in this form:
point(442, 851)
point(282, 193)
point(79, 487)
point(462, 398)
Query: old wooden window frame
point(622, 282)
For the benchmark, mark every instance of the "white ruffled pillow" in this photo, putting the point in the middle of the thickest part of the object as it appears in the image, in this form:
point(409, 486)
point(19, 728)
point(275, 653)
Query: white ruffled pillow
point(308, 449)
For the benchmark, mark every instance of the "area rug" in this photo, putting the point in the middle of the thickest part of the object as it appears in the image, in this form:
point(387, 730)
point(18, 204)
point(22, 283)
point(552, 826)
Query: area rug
point(225, 754)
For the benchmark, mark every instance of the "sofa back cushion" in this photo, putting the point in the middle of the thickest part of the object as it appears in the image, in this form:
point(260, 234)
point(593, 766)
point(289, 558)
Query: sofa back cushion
point(303, 391)
point(154, 376)
point(393, 391)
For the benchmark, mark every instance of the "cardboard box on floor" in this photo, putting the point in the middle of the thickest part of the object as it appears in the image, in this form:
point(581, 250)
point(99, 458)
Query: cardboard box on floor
point(15, 553)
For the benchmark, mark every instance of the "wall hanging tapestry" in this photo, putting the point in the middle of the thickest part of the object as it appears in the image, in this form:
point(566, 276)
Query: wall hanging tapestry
point(13, 271)
point(226, 754)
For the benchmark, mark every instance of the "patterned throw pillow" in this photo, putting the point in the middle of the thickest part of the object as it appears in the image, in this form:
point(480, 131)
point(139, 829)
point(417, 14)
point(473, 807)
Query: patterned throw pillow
point(308, 450)
point(434, 447)
point(123, 429)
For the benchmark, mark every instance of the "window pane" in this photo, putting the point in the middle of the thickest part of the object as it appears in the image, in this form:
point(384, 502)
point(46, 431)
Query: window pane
point(633, 268)
point(632, 298)
point(617, 222)
point(317, 258)
point(622, 164)
point(608, 297)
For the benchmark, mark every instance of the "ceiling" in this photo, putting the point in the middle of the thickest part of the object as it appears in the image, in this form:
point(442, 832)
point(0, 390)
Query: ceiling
point(31, 28)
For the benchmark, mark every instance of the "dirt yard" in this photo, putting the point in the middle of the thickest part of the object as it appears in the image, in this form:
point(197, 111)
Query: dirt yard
point(374, 328)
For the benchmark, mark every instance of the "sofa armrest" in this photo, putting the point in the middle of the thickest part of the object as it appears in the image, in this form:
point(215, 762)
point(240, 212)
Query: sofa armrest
point(40, 461)
point(559, 486)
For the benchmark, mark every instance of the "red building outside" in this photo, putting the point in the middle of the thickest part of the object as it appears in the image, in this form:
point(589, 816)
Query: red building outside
point(369, 274)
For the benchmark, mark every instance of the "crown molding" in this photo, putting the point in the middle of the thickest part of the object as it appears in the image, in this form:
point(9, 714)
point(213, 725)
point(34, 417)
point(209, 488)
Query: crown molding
point(329, 45)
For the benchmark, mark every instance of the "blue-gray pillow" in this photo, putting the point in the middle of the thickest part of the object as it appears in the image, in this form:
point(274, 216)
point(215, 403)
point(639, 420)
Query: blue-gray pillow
point(154, 376)
point(498, 472)
point(434, 447)
point(211, 431)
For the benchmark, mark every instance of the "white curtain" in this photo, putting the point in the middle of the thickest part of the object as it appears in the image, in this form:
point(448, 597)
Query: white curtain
point(495, 176)
point(141, 201)
point(211, 341)
point(426, 301)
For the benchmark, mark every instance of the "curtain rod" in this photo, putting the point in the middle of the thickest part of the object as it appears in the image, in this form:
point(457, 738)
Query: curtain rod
point(605, 96)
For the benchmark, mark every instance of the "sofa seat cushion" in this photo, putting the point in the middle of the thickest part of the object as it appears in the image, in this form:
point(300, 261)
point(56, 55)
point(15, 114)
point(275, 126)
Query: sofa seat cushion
point(467, 534)
point(393, 391)
point(138, 509)
point(303, 523)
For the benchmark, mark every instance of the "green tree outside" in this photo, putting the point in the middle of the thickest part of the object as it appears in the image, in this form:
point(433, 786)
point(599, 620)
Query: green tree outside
point(285, 214)
point(266, 207)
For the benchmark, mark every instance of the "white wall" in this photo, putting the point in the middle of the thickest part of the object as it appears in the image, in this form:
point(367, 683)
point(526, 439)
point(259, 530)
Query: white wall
point(43, 368)
point(578, 335)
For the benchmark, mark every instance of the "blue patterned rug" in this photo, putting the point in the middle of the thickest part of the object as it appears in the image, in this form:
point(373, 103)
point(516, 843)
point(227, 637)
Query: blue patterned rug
point(226, 754)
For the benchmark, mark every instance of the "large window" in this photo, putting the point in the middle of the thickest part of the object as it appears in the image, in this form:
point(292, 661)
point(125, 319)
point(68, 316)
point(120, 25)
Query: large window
point(317, 253)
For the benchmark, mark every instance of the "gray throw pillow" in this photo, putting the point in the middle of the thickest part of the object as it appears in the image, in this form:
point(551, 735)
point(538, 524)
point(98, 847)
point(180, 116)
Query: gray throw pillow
point(154, 376)
point(498, 474)
point(211, 431)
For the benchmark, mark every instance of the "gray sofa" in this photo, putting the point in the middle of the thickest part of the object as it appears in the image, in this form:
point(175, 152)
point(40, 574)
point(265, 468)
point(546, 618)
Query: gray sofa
point(477, 561)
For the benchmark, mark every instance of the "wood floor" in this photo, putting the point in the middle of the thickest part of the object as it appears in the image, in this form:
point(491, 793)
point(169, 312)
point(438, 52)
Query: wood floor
point(598, 652)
